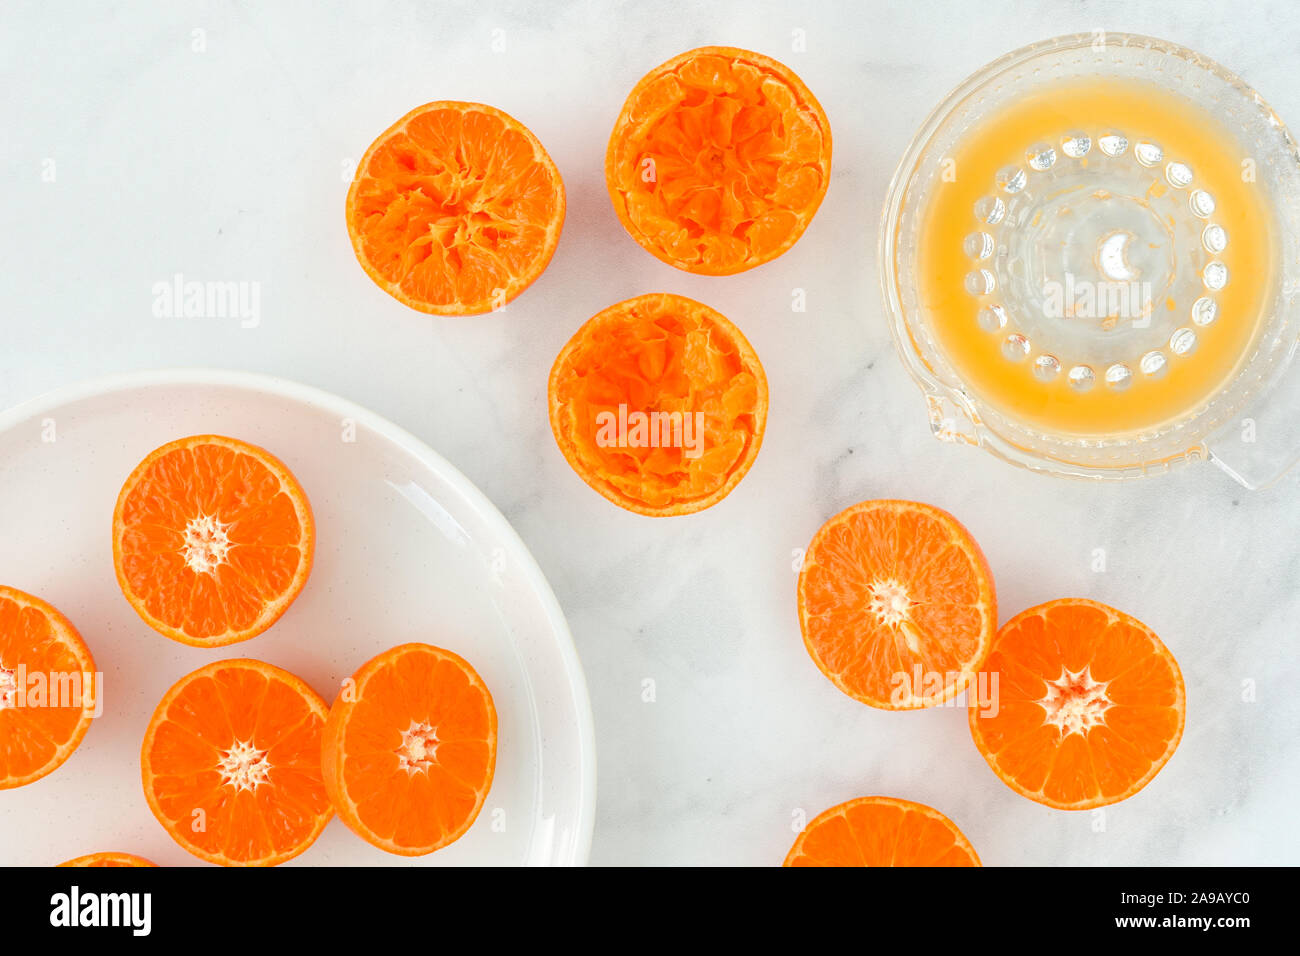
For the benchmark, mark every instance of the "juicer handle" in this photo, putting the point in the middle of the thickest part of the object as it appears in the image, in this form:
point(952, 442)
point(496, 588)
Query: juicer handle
point(1259, 446)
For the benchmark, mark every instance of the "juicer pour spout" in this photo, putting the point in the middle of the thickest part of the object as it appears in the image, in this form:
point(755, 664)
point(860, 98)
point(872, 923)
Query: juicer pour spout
point(1261, 445)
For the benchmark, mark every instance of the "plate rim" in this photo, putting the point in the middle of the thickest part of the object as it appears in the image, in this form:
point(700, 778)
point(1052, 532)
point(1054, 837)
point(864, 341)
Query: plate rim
point(286, 388)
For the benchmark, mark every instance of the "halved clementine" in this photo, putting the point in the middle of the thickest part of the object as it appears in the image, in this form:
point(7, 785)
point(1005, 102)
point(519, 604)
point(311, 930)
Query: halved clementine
point(896, 604)
point(455, 209)
point(109, 858)
point(48, 688)
point(659, 403)
point(1083, 705)
point(718, 160)
point(881, 831)
point(213, 539)
point(231, 764)
point(410, 748)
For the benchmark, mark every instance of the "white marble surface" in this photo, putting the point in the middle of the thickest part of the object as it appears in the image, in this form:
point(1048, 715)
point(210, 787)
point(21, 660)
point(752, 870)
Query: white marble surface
point(228, 163)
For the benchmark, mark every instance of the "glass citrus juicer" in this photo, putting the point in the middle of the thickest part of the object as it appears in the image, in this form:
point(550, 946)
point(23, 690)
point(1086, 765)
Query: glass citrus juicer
point(1090, 257)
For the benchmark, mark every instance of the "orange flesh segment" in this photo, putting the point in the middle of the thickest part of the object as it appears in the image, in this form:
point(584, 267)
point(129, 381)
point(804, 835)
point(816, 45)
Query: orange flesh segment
point(893, 591)
point(719, 160)
point(415, 753)
point(213, 539)
point(674, 364)
point(1090, 705)
point(456, 209)
point(232, 763)
point(43, 663)
point(881, 831)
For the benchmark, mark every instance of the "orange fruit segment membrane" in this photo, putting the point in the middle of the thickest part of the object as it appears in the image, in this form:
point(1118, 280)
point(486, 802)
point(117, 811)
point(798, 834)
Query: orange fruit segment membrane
point(1084, 705)
point(896, 604)
point(231, 764)
point(881, 831)
point(455, 209)
point(49, 691)
point(659, 403)
point(109, 858)
point(409, 750)
point(213, 539)
point(718, 160)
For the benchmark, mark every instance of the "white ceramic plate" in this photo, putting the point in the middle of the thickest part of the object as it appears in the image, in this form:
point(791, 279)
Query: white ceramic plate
point(407, 550)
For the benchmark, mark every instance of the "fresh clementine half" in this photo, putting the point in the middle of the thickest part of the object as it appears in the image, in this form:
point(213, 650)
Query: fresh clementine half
point(455, 209)
point(881, 831)
point(1082, 705)
point(659, 403)
point(718, 160)
point(213, 539)
point(231, 764)
point(48, 688)
point(109, 858)
point(896, 604)
point(409, 750)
